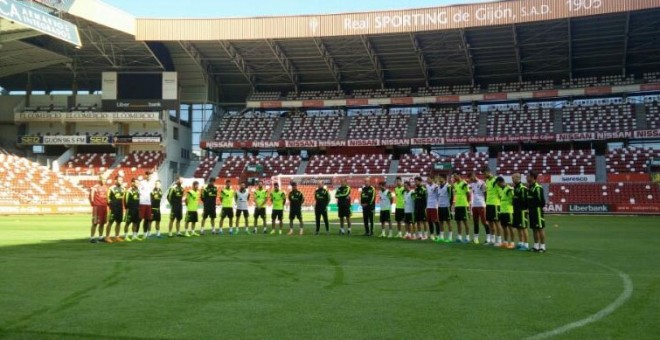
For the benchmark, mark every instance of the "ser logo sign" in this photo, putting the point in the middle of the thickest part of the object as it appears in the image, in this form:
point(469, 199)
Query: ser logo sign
point(99, 140)
point(30, 140)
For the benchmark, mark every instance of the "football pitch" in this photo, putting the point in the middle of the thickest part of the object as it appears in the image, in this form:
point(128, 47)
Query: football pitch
point(599, 280)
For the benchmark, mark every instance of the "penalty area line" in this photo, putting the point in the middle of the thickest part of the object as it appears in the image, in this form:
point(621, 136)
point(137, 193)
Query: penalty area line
point(609, 309)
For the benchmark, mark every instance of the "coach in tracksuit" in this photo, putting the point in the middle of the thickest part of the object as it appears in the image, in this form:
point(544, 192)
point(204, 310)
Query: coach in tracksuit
point(368, 201)
point(322, 197)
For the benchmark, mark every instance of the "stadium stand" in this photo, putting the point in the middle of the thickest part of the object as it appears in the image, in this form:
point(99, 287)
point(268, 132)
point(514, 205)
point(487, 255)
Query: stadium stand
point(524, 86)
point(88, 164)
point(652, 77)
point(206, 166)
point(25, 182)
point(598, 193)
point(340, 164)
point(312, 127)
point(652, 115)
point(264, 96)
point(316, 95)
point(446, 90)
point(520, 121)
point(244, 128)
point(383, 93)
point(378, 126)
point(234, 166)
point(598, 118)
point(447, 122)
point(423, 163)
point(138, 163)
point(630, 160)
point(612, 80)
point(554, 162)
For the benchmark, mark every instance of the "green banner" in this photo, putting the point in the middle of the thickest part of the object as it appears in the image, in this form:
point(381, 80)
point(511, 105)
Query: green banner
point(442, 166)
point(41, 21)
point(254, 168)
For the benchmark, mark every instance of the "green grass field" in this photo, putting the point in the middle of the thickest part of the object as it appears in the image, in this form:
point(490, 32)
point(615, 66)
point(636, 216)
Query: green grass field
point(54, 284)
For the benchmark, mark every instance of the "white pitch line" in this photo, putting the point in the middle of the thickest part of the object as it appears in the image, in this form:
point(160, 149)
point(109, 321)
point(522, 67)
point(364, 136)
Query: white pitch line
point(622, 299)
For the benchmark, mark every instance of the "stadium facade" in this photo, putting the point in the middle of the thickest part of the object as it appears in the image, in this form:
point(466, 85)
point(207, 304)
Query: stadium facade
point(566, 88)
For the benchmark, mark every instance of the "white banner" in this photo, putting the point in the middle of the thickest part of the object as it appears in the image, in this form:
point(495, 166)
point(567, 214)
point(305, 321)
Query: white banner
point(109, 86)
point(64, 140)
point(573, 179)
point(170, 86)
point(88, 116)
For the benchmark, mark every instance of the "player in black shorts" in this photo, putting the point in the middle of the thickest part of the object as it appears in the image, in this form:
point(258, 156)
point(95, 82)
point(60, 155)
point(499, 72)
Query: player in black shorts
point(343, 196)
point(156, 197)
point(296, 200)
point(115, 201)
point(132, 217)
point(399, 211)
point(210, 201)
point(419, 198)
point(535, 204)
point(175, 199)
point(520, 212)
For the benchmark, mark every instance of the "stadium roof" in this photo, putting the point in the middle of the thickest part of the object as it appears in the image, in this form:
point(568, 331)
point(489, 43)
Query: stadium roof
point(364, 50)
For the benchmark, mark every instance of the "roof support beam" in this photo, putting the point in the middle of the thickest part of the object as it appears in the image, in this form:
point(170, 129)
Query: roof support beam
point(18, 35)
point(625, 45)
point(198, 58)
point(465, 46)
point(22, 68)
point(516, 48)
point(104, 46)
point(284, 61)
point(570, 50)
point(239, 61)
point(329, 61)
point(421, 58)
point(375, 61)
point(144, 43)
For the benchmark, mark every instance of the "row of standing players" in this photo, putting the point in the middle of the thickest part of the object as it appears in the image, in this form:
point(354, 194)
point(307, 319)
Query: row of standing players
point(425, 210)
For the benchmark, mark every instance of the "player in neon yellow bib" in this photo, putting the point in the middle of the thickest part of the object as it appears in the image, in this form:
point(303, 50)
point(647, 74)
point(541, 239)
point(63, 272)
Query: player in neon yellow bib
point(493, 209)
point(260, 199)
point(192, 204)
point(227, 196)
point(506, 212)
point(400, 205)
point(277, 198)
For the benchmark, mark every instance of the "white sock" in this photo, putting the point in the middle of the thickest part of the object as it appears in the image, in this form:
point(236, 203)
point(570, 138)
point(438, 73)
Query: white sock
point(451, 237)
point(536, 246)
point(543, 246)
point(489, 238)
point(476, 237)
point(158, 233)
point(499, 239)
point(467, 238)
point(459, 237)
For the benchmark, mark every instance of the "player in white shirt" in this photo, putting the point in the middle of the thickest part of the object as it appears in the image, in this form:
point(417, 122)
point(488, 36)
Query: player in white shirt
point(478, 204)
point(445, 202)
point(385, 202)
point(409, 210)
point(242, 198)
point(432, 209)
point(145, 187)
